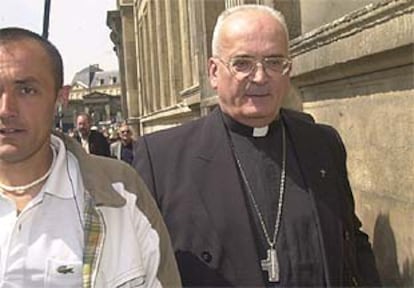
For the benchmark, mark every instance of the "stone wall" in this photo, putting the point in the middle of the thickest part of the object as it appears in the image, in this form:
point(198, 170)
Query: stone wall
point(378, 133)
point(315, 13)
point(356, 74)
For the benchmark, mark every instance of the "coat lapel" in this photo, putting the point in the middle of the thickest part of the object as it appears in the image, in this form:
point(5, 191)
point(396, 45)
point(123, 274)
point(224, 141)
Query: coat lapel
point(318, 172)
point(224, 201)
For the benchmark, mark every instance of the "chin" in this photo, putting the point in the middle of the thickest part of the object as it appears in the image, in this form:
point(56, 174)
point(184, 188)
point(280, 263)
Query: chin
point(255, 111)
point(265, 113)
point(9, 157)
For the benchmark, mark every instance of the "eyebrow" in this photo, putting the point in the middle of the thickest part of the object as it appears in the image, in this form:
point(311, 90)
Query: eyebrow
point(253, 57)
point(27, 80)
point(243, 56)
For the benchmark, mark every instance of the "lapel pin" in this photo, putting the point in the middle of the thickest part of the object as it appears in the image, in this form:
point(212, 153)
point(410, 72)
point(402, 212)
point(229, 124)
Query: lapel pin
point(323, 173)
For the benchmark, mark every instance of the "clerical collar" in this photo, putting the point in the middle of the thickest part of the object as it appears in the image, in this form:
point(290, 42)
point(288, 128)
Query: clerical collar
point(245, 130)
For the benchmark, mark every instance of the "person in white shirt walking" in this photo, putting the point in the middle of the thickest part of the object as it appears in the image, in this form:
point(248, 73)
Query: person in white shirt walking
point(65, 223)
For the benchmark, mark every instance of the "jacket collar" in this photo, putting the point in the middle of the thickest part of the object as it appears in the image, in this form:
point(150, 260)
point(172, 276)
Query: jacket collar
point(95, 180)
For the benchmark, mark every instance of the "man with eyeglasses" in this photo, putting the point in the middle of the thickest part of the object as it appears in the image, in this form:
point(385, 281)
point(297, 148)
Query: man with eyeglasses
point(255, 195)
point(123, 149)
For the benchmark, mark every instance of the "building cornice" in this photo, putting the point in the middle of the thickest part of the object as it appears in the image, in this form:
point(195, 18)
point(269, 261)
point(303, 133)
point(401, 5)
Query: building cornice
point(350, 24)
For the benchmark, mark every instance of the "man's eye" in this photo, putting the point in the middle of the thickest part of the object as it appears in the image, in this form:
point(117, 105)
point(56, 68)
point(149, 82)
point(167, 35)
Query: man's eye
point(242, 65)
point(27, 90)
point(274, 62)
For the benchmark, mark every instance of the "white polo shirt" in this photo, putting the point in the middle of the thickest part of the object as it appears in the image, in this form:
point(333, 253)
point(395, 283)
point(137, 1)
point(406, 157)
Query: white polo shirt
point(42, 246)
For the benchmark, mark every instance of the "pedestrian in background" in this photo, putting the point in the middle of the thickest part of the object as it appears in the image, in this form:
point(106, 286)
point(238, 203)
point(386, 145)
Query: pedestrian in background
point(123, 149)
point(94, 142)
point(255, 195)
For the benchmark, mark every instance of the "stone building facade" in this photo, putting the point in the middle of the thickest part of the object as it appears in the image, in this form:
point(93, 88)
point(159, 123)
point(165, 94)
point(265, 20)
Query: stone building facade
point(353, 64)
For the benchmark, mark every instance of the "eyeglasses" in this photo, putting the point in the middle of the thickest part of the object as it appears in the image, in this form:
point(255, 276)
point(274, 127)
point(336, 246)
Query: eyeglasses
point(125, 131)
point(244, 66)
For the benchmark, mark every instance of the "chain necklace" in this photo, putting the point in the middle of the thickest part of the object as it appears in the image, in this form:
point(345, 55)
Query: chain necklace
point(20, 190)
point(271, 263)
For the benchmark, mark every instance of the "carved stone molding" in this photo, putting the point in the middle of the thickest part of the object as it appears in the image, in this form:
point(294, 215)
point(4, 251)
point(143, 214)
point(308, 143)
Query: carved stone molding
point(351, 24)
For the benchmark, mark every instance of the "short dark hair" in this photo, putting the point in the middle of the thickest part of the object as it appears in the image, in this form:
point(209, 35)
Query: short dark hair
point(11, 34)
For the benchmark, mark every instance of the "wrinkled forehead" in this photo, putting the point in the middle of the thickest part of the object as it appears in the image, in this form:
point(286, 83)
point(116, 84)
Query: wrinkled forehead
point(22, 46)
point(253, 30)
point(10, 57)
point(22, 57)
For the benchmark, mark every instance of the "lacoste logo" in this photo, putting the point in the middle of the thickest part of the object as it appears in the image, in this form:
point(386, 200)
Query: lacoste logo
point(64, 269)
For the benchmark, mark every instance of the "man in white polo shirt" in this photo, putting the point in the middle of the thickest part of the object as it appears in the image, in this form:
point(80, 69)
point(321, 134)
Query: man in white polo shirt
point(67, 219)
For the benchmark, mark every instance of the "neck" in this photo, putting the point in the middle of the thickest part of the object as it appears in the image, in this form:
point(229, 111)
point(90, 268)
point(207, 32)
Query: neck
point(22, 174)
point(84, 136)
point(253, 122)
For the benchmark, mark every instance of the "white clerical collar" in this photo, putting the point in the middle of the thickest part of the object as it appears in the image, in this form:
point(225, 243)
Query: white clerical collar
point(260, 131)
point(242, 129)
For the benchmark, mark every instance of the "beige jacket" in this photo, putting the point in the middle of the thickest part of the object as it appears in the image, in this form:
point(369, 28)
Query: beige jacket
point(99, 174)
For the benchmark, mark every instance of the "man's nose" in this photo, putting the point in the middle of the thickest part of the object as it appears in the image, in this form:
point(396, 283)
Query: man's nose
point(259, 74)
point(8, 104)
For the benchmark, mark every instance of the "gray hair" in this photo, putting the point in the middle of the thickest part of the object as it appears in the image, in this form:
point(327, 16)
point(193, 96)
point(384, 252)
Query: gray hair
point(236, 9)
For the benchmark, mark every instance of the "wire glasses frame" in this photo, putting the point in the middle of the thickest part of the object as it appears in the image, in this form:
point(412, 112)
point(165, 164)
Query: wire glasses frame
point(243, 67)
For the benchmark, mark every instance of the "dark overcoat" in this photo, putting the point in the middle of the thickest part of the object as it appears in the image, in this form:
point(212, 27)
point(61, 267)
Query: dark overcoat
point(192, 174)
point(98, 144)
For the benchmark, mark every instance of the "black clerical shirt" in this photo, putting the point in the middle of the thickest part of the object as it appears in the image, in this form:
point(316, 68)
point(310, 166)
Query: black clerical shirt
point(298, 243)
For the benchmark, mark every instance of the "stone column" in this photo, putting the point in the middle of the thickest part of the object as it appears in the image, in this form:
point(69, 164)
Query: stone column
point(131, 77)
point(162, 54)
point(196, 37)
point(145, 58)
point(185, 44)
point(174, 50)
point(153, 54)
point(114, 22)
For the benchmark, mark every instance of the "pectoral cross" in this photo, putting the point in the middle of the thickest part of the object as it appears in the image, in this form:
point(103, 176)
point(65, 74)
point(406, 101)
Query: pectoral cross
point(271, 265)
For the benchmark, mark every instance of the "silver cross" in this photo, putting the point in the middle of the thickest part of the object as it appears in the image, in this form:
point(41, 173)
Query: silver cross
point(271, 265)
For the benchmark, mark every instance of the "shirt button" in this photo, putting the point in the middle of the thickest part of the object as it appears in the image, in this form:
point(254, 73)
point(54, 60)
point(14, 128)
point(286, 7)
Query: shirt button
point(347, 237)
point(206, 256)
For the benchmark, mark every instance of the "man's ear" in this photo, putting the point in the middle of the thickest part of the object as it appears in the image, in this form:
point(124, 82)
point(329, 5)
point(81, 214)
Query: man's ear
point(212, 72)
point(63, 95)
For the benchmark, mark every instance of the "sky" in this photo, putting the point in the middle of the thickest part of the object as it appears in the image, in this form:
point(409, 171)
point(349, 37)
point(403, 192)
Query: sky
point(77, 28)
